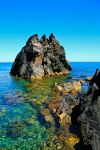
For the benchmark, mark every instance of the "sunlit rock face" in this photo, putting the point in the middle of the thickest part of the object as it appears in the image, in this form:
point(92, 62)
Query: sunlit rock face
point(39, 58)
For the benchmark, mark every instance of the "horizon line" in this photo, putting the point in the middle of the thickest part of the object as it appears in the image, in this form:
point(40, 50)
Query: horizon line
point(68, 61)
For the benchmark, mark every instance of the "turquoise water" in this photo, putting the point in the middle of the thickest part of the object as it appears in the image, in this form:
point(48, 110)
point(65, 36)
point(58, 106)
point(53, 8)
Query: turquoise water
point(21, 126)
point(81, 70)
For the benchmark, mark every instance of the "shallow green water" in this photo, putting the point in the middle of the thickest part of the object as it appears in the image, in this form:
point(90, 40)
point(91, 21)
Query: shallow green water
point(21, 124)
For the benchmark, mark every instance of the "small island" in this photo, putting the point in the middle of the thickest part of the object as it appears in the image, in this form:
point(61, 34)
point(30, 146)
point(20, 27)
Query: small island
point(41, 57)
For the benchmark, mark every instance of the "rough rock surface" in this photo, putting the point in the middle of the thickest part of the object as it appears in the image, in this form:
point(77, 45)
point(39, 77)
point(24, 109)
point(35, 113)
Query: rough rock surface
point(65, 97)
point(88, 115)
point(40, 57)
point(58, 111)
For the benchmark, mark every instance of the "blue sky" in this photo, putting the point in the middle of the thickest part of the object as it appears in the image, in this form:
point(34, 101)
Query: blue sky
point(75, 23)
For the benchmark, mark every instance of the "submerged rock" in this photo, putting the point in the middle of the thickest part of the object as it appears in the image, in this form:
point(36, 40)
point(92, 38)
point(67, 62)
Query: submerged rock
point(88, 115)
point(40, 57)
point(15, 129)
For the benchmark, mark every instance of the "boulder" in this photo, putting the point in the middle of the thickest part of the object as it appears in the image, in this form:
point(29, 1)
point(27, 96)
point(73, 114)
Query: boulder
point(70, 87)
point(88, 79)
point(47, 115)
point(88, 115)
point(39, 58)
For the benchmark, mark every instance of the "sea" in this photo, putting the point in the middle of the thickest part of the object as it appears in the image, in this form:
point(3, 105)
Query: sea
point(21, 125)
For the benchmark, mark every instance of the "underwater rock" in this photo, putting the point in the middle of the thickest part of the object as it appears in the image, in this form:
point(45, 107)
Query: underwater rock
point(88, 115)
point(40, 57)
point(3, 111)
point(15, 129)
point(31, 120)
point(13, 98)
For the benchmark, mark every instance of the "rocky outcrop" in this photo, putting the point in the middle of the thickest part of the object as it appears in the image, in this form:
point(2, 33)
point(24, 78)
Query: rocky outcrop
point(58, 111)
point(40, 57)
point(77, 114)
point(88, 115)
point(64, 99)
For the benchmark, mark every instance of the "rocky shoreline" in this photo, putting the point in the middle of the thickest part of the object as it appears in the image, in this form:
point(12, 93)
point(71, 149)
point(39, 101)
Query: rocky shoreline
point(75, 115)
point(70, 116)
point(59, 110)
point(88, 115)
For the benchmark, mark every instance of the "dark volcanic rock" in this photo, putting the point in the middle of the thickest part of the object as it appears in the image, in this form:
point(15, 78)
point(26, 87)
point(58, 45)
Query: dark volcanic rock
point(89, 115)
point(40, 57)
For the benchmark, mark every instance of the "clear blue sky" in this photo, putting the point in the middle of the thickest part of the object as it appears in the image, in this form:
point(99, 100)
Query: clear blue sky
point(76, 24)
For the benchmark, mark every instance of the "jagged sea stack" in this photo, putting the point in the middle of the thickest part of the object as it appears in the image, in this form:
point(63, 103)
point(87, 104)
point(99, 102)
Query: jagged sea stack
point(40, 57)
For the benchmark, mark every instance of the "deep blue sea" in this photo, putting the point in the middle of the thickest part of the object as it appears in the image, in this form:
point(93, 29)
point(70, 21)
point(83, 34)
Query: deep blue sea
point(21, 102)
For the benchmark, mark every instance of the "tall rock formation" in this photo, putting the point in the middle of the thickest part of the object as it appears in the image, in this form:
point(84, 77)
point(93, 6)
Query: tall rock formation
point(40, 57)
